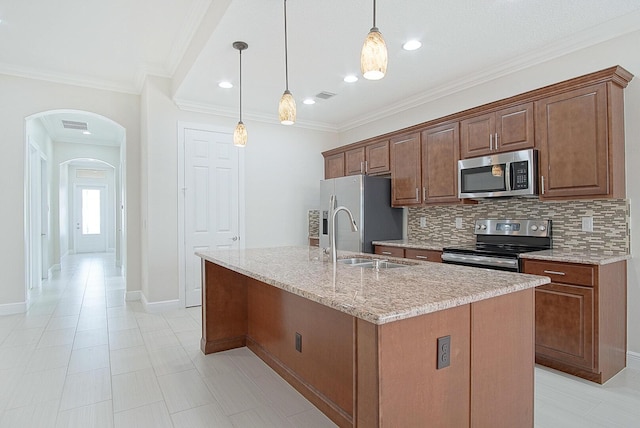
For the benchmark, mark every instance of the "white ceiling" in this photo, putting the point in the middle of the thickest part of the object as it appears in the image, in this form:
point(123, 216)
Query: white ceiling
point(114, 44)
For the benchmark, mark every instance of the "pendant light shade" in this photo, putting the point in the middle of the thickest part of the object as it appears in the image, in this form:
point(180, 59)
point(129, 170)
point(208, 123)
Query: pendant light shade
point(240, 133)
point(287, 106)
point(287, 109)
point(373, 58)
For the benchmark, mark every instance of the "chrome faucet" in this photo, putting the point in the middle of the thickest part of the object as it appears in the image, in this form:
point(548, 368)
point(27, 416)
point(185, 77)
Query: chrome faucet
point(332, 234)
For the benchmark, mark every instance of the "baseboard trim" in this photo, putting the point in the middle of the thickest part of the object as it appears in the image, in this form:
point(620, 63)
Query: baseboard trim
point(133, 296)
point(633, 360)
point(13, 308)
point(155, 307)
point(54, 268)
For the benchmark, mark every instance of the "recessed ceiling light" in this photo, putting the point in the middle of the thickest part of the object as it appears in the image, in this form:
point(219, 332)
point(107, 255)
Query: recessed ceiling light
point(412, 45)
point(351, 78)
point(225, 85)
point(309, 101)
point(86, 132)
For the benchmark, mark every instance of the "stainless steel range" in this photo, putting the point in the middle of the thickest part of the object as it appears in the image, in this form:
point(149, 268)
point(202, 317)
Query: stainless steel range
point(499, 242)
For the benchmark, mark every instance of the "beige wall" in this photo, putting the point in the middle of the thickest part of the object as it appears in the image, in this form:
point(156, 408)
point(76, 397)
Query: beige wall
point(620, 51)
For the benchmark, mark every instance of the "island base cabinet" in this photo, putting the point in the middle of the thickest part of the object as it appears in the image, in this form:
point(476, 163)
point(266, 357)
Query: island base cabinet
point(366, 375)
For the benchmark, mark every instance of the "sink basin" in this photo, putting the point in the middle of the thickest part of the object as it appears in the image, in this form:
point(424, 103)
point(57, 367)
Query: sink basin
point(354, 261)
point(369, 263)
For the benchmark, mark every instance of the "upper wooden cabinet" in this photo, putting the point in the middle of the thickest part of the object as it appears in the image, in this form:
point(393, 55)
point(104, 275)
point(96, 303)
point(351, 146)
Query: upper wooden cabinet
point(498, 131)
point(440, 154)
point(580, 135)
point(372, 159)
point(406, 178)
point(334, 165)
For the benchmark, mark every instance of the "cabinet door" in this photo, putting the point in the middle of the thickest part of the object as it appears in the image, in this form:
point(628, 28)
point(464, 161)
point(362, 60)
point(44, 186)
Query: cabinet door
point(405, 170)
point(565, 324)
point(571, 132)
point(477, 135)
point(440, 154)
point(378, 158)
point(514, 128)
point(354, 161)
point(334, 166)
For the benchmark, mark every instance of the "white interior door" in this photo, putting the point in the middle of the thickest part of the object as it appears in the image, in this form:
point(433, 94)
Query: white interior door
point(90, 219)
point(211, 211)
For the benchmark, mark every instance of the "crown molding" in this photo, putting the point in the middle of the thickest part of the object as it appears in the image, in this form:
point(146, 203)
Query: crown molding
point(191, 25)
point(589, 37)
point(196, 107)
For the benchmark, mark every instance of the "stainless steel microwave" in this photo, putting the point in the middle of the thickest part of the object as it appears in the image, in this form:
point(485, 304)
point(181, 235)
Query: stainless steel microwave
point(504, 174)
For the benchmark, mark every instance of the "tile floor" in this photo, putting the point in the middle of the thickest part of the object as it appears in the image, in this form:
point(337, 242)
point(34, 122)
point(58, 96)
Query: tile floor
point(82, 357)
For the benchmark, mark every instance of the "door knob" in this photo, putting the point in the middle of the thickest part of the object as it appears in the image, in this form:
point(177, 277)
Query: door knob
point(235, 238)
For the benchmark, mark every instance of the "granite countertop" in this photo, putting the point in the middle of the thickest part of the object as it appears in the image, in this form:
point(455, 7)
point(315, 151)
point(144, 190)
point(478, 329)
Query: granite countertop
point(590, 257)
point(376, 296)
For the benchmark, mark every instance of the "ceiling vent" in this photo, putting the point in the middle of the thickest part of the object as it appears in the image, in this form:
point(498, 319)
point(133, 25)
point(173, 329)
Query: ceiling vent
point(324, 95)
point(70, 124)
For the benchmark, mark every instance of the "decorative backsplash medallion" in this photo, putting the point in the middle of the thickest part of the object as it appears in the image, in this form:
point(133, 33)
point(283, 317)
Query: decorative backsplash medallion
point(610, 221)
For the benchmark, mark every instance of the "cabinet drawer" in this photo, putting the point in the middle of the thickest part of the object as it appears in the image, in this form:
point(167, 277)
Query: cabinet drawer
point(426, 255)
point(567, 273)
point(389, 251)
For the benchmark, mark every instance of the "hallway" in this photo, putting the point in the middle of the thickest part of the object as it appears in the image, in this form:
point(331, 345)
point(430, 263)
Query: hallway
point(82, 357)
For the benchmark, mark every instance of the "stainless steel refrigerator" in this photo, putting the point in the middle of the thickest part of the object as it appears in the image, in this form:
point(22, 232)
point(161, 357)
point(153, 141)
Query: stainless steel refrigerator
point(369, 200)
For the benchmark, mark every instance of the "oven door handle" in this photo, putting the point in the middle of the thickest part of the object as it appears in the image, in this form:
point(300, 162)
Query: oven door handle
point(480, 260)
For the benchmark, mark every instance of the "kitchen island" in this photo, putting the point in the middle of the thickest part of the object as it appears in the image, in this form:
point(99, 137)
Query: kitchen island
point(369, 347)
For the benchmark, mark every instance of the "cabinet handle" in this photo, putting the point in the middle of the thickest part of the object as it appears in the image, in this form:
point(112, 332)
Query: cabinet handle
point(424, 194)
point(542, 180)
point(553, 272)
point(422, 257)
point(366, 167)
point(417, 195)
point(386, 253)
point(361, 167)
point(490, 141)
point(496, 141)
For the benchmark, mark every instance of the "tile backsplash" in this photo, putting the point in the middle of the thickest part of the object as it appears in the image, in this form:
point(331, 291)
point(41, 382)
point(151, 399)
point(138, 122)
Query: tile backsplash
point(313, 218)
point(610, 221)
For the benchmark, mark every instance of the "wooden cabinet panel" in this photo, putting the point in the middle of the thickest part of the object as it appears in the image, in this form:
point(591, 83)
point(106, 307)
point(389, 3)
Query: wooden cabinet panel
point(440, 154)
point(477, 135)
point(571, 132)
point(378, 158)
point(354, 161)
point(515, 128)
point(334, 166)
point(424, 255)
point(567, 273)
point(565, 323)
point(389, 251)
point(406, 178)
point(500, 131)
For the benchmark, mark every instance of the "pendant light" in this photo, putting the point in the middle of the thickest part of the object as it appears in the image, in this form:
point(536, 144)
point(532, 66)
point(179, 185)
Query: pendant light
point(240, 133)
point(287, 106)
point(373, 58)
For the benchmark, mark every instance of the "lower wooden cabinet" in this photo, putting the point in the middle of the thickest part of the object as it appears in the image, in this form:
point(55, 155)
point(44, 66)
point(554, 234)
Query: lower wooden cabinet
point(581, 322)
point(409, 253)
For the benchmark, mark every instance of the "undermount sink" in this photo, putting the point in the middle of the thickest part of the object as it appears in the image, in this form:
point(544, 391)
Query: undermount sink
point(370, 263)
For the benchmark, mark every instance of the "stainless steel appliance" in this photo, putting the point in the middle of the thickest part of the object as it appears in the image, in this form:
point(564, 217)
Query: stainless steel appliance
point(499, 243)
point(369, 200)
point(503, 174)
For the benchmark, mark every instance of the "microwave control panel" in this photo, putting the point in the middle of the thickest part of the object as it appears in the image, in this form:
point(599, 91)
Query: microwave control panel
point(520, 175)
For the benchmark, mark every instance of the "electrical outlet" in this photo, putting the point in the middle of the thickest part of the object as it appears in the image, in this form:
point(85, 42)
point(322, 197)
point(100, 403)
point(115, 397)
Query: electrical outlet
point(298, 342)
point(444, 352)
point(458, 223)
point(587, 224)
point(423, 222)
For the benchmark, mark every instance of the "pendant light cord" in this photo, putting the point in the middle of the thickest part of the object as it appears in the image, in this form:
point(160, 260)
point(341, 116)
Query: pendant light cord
point(240, 50)
point(286, 54)
point(374, 13)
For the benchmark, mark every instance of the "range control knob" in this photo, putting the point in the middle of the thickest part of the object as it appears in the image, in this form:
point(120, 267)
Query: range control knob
point(483, 227)
point(534, 228)
point(542, 228)
point(477, 226)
